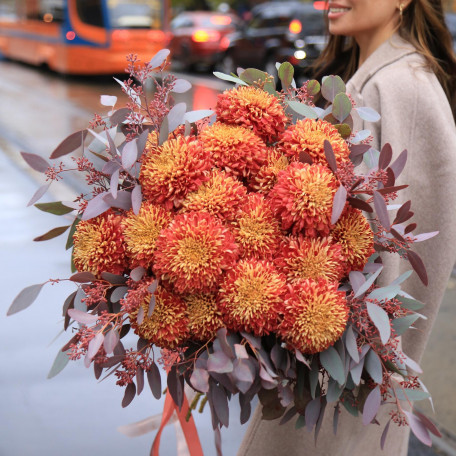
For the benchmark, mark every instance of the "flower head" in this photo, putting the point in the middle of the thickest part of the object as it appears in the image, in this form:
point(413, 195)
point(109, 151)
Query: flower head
point(266, 177)
point(193, 252)
point(303, 198)
point(234, 149)
point(99, 245)
point(309, 135)
point(204, 316)
point(303, 258)
point(315, 315)
point(254, 109)
point(141, 232)
point(256, 229)
point(251, 297)
point(167, 325)
point(221, 196)
point(353, 232)
point(169, 172)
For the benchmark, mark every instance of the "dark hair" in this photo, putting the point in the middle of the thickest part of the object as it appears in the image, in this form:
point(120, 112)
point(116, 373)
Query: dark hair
point(423, 25)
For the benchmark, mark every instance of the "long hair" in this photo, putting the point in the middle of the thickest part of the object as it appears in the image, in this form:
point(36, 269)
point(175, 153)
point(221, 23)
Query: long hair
point(423, 25)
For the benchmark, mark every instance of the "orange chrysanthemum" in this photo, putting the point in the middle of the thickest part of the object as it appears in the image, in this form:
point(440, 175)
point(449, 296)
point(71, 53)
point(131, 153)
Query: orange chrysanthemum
point(354, 233)
point(254, 109)
point(204, 316)
point(221, 196)
point(315, 315)
point(99, 245)
point(303, 258)
point(169, 172)
point(303, 198)
point(193, 252)
point(167, 325)
point(251, 297)
point(266, 177)
point(141, 232)
point(309, 135)
point(234, 149)
point(256, 230)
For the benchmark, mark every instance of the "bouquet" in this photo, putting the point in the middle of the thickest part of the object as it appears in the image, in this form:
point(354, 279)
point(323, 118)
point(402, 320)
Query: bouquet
point(242, 249)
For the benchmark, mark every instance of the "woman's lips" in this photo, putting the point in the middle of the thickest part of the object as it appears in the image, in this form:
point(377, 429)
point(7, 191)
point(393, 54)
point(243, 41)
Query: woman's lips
point(335, 11)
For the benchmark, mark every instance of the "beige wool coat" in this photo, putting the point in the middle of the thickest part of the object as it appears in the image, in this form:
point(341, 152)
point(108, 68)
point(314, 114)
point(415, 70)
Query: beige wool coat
point(415, 115)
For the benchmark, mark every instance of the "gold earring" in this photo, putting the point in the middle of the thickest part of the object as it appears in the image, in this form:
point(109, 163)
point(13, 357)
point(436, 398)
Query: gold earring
point(401, 10)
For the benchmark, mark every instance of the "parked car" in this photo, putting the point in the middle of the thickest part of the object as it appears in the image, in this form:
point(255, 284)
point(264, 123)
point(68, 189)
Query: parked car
point(199, 37)
point(278, 32)
point(450, 19)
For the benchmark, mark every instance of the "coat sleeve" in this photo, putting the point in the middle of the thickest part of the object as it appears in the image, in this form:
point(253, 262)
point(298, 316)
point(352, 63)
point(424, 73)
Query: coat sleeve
point(415, 115)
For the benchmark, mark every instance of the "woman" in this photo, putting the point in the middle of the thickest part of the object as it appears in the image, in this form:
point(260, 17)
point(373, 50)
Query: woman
point(396, 56)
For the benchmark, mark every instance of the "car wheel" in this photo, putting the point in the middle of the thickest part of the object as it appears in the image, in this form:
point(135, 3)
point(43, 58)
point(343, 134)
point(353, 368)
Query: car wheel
point(226, 64)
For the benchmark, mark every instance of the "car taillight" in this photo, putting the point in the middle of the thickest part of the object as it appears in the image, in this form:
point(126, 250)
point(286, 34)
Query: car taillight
point(320, 5)
point(221, 20)
point(156, 35)
point(295, 26)
point(70, 36)
point(224, 43)
point(202, 36)
point(120, 35)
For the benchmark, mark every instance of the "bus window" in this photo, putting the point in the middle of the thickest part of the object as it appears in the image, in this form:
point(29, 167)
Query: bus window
point(90, 12)
point(135, 14)
point(52, 11)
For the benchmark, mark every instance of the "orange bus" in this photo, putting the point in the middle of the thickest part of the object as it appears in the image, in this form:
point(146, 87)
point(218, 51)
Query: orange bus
point(83, 36)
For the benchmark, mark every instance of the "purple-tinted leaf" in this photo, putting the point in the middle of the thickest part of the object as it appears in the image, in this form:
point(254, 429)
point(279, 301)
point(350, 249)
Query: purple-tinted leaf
point(418, 265)
point(136, 199)
point(218, 441)
point(356, 280)
point(114, 182)
point(418, 428)
point(69, 144)
point(368, 114)
point(340, 198)
point(151, 306)
point(60, 361)
point(152, 287)
point(371, 268)
point(95, 344)
point(25, 298)
point(312, 413)
point(154, 379)
point(39, 194)
point(267, 382)
point(52, 233)
point(159, 58)
point(368, 283)
point(425, 236)
point(181, 86)
point(288, 415)
point(360, 204)
point(358, 149)
point(356, 371)
point(331, 86)
point(285, 394)
point(219, 362)
point(304, 157)
point(331, 361)
point(333, 391)
point(371, 405)
point(82, 317)
point(374, 366)
point(381, 321)
point(119, 116)
point(386, 155)
point(129, 154)
point(123, 200)
point(381, 210)
point(399, 164)
point(194, 116)
point(83, 277)
point(341, 107)
point(361, 136)
point(330, 157)
point(428, 424)
point(200, 380)
point(130, 392)
point(176, 386)
point(176, 116)
point(140, 316)
point(255, 342)
point(137, 273)
point(397, 235)
point(111, 167)
point(139, 380)
point(119, 349)
point(351, 345)
point(113, 278)
point(118, 294)
point(241, 352)
point(409, 228)
point(220, 402)
point(222, 342)
point(142, 141)
point(111, 340)
point(96, 206)
point(384, 434)
point(108, 100)
point(36, 162)
point(401, 215)
point(412, 364)
point(300, 358)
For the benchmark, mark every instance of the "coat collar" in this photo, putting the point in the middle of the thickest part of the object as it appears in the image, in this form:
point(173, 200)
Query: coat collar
point(388, 52)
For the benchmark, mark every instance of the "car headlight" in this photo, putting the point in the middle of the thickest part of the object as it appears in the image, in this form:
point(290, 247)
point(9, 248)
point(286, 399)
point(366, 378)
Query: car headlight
point(300, 54)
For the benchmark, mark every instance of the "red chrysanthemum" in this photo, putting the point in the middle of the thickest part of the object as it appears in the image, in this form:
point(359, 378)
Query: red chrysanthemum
point(99, 245)
point(193, 252)
point(251, 297)
point(169, 172)
point(353, 232)
point(234, 149)
point(303, 198)
point(254, 109)
point(315, 315)
point(256, 229)
point(204, 316)
point(309, 135)
point(266, 177)
point(141, 232)
point(303, 258)
point(167, 324)
point(221, 196)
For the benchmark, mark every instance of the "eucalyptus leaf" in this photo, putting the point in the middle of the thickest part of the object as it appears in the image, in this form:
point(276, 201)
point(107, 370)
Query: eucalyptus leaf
point(371, 405)
point(373, 366)
point(341, 107)
point(39, 193)
point(408, 394)
point(381, 321)
point(60, 362)
point(331, 86)
point(351, 345)
point(159, 58)
point(25, 298)
point(400, 325)
point(51, 234)
point(331, 361)
point(368, 114)
point(56, 208)
point(368, 283)
point(228, 77)
point(302, 109)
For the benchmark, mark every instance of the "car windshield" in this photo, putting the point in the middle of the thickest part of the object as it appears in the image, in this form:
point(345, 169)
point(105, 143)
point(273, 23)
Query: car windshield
point(135, 13)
